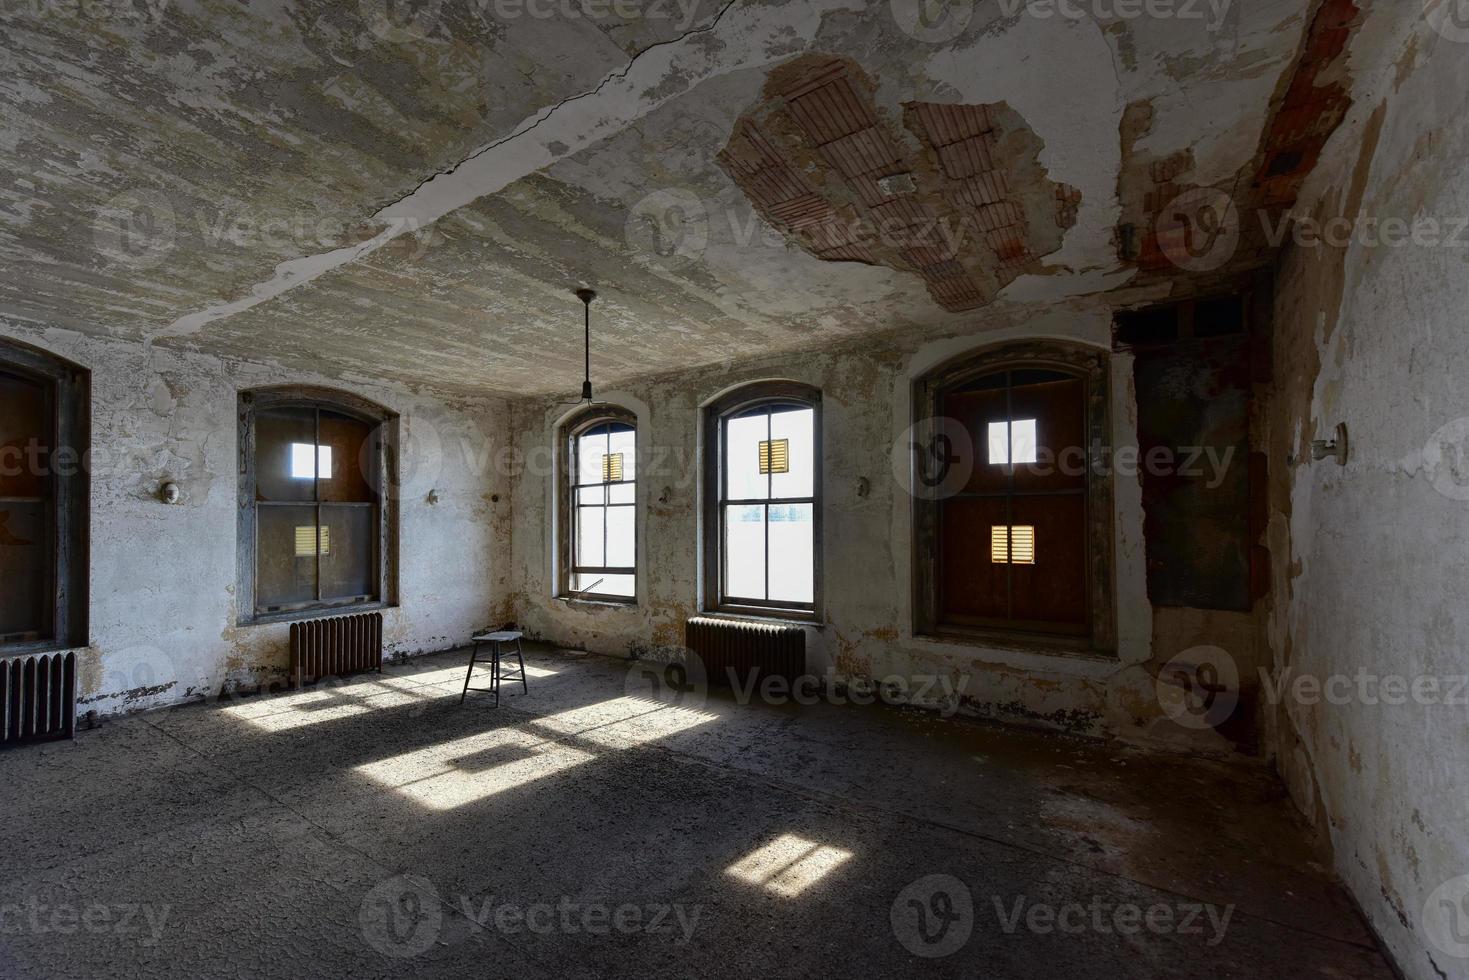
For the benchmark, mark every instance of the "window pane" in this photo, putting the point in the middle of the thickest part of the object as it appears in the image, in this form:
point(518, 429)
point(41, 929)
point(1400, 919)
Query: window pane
point(312, 540)
point(999, 443)
point(621, 539)
point(624, 441)
point(976, 440)
point(1012, 545)
point(622, 493)
point(1059, 411)
point(1054, 588)
point(612, 467)
point(284, 441)
point(591, 496)
point(25, 440)
point(589, 537)
point(744, 551)
point(345, 458)
point(283, 577)
point(798, 428)
point(25, 568)
point(792, 556)
point(743, 479)
point(308, 460)
point(1022, 441)
point(590, 448)
point(973, 587)
point(595, 583)
point(1012, 442)
point(347, 565)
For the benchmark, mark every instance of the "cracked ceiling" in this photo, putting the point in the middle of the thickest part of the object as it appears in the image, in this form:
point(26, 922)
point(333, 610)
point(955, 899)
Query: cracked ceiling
point(373, 190)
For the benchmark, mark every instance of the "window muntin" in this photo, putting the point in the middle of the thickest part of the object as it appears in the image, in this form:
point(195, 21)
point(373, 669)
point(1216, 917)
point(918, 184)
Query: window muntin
point(766, 507)
point(318, 516)
point(603, 547)
point(44, 435)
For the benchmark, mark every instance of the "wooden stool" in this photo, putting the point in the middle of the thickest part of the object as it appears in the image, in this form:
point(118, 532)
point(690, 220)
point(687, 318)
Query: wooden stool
point(496, 641)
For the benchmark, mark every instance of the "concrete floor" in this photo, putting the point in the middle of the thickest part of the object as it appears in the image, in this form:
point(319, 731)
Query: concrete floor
point(379, 828)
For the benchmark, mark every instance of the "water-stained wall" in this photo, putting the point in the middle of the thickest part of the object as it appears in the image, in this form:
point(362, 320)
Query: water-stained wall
point(1369, 619)
point(163, 578)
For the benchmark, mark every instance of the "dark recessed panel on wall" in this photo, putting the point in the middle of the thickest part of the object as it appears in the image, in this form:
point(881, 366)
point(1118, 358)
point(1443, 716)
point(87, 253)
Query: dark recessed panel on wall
point(1223, 317)
point(1193, 409)
point(1147, 328)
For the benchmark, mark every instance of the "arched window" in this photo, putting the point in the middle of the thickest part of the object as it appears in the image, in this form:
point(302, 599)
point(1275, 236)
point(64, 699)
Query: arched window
point(599, 548)
point(317, 527)
point(1012, 517)
point(44, 440)
point(763, 501)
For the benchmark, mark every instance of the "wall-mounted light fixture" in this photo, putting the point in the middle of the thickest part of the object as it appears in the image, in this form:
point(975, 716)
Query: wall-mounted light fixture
point(170, 493)
point(1332, 448)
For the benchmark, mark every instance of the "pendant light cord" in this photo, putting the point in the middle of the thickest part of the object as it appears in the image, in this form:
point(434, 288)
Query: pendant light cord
point(586, 296)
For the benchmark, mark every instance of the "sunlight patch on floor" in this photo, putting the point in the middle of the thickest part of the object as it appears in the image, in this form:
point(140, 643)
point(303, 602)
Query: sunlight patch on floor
point(454, 676)
point(788, 865)
point(278, 714)
point(451, 774)
point(624, 722)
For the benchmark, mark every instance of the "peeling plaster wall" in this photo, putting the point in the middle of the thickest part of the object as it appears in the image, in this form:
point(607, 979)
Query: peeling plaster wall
point(868, 630)
point(162, 604)
point(1368, 558)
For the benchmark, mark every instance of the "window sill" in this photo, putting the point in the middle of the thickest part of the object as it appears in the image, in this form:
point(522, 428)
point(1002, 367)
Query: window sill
point(765, 616)
point(32, 648)
point(595, 602)
point(1077, 651)
point(303, 615)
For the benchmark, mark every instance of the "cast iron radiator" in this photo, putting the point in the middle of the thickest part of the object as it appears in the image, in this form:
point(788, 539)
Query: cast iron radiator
point(335, 647)
point(734, 650)
point(38, 698)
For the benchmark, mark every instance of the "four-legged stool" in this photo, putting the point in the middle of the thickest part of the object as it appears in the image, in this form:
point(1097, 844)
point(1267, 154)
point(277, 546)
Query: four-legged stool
point(496, 641)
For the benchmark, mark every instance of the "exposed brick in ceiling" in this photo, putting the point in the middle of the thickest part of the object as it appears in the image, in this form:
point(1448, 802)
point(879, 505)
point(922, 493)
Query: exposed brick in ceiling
point(1312, 109)
point(811, 157)
point(1304, 116)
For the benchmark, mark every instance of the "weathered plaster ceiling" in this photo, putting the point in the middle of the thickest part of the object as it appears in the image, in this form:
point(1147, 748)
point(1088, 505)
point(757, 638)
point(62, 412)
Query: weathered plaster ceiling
point(341, 186)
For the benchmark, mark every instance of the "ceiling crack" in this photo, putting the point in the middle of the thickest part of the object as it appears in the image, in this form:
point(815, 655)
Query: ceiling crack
point(543, 114)
point(758, 35)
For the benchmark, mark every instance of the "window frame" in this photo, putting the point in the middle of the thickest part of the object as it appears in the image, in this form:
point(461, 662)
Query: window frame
point(1092, 366)
point(68, 390)
point(385, 429)
point(571, 430)
point(716, 415)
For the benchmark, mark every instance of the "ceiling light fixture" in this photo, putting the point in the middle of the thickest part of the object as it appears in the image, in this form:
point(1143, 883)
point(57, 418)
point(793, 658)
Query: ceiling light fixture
point(586, 296)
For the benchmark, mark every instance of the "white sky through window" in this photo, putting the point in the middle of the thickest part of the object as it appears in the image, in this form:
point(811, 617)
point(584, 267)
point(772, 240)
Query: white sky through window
point(301, 460)
point(1012, 442)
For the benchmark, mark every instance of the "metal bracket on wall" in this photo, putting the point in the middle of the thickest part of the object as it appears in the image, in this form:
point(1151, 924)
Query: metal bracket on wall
point(1332, 448)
